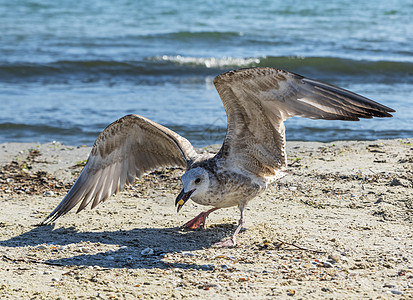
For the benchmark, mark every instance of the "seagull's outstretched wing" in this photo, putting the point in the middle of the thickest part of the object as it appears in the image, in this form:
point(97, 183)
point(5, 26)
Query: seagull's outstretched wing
point(258, 100)
point(128, 148)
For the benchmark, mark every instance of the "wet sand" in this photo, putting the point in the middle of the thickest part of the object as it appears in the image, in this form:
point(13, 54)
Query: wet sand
point(338, 226)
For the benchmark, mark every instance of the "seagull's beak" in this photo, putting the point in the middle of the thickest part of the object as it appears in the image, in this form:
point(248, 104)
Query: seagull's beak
point(182, 198)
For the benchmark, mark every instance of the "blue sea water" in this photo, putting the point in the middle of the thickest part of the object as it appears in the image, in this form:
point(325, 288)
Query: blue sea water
point(68, 69)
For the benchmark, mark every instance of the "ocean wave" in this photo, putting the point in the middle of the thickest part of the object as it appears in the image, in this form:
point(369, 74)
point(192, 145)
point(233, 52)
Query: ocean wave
point(208, 62)
point(20, 132)
point(19, 129)
point(204, 36)
point(159, 67)
point(338, 65)
point(200, 135)
point(343, 66)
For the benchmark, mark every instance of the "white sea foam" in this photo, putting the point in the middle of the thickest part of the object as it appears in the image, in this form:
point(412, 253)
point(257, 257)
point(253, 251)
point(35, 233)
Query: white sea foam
point(209, 62)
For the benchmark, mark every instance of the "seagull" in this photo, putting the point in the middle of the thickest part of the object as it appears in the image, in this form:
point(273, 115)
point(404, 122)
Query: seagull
point(257, 101)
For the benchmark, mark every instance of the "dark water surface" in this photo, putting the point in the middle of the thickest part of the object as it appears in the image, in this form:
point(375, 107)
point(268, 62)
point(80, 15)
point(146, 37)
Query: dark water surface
point(68, 69)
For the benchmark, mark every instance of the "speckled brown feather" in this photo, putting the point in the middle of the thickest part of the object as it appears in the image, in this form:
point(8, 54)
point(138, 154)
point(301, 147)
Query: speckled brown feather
point(258, 100)
point(128, 148)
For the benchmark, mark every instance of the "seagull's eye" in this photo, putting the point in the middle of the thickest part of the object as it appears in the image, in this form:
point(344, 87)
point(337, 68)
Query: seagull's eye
point(198, 180)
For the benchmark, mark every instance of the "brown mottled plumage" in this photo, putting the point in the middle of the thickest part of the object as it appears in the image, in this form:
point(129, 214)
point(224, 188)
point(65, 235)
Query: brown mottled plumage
point(257, 102)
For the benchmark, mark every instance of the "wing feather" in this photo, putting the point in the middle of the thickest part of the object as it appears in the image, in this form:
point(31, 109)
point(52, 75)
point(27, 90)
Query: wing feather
point(258, 101)
point(128, 148)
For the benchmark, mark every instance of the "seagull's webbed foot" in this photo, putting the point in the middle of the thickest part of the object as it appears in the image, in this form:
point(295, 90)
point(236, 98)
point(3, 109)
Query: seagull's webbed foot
point(232, 241)
point(199, 220)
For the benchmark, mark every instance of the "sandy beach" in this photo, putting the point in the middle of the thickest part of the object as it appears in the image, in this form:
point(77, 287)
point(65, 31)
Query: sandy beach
point(339, 226)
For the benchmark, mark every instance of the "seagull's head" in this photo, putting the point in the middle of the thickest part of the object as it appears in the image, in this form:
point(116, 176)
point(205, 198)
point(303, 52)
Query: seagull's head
point(195, 182)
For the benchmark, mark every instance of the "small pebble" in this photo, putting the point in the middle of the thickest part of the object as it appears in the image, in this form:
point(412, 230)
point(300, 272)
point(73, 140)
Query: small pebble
point(147, 252)
point(335, 256)
point(9, 180)
point(396, 292)
point(207, 267)
point(55, 279)
point(41, 247)
point(48, 193)
point(188, 254)
point(84, 250)
point(327, 264)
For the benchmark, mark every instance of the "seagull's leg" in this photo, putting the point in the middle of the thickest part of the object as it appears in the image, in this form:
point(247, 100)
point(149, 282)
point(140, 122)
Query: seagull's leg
point(232, 242)
point(199, 220)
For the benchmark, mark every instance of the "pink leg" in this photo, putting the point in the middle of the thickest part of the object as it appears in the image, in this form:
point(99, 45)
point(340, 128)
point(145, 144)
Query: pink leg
point(232, 242)
point(199, 220)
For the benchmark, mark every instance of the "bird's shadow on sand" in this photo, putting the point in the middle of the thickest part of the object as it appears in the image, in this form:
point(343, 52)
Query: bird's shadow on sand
point(126, 245)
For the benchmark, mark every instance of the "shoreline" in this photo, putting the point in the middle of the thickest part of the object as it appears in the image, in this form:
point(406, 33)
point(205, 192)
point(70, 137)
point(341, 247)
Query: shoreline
point(338, 226)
